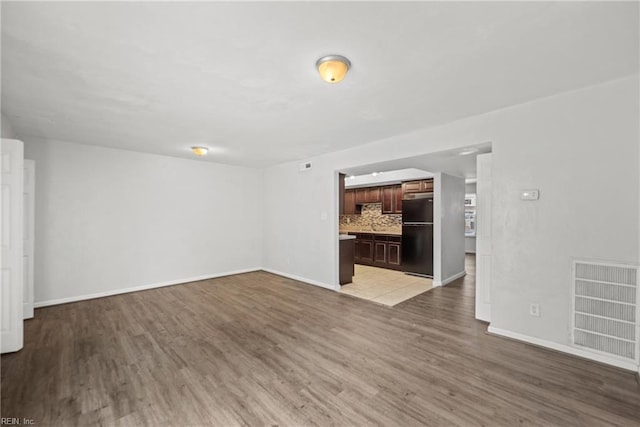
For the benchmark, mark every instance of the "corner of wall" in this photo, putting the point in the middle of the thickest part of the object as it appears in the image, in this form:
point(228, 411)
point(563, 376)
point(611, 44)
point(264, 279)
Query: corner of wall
point(6, 129)
point(437, 229)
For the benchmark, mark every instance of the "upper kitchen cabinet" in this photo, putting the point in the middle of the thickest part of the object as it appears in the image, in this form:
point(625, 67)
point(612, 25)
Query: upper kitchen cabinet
point(341, 191)
point(367, 195)
point(350, 207)
point(422, 186)
point(392, 199)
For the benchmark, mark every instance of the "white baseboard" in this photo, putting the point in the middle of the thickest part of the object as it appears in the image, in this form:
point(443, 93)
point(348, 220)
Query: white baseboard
point(140, 288)
point(629, 365)
point(450, 279)
point(300, 279)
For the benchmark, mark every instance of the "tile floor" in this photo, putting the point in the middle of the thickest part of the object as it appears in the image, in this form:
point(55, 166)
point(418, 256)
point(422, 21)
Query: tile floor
point(387, 287)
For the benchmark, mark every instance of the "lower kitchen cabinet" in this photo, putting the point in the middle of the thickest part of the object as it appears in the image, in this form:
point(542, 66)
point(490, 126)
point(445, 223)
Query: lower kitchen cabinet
point(393, 257)
point(378, 250)
point(380, 253)
point(364, 249)
point(347, 256)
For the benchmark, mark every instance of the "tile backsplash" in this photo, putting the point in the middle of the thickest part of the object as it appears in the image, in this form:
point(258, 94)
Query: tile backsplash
point(371, 219)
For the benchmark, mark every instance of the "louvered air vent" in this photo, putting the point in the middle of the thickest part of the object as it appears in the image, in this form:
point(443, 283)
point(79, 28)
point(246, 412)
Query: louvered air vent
point(605, 308)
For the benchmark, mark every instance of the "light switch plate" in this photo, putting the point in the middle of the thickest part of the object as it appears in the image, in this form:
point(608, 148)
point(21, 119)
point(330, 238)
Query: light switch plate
point(533, 194)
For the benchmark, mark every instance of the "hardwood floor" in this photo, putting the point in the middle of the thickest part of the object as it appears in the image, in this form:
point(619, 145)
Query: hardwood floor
point(259, 349)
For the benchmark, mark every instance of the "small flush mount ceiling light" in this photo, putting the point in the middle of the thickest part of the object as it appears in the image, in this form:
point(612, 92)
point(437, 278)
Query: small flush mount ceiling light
point(467, 151)
point(333, 68)
point(200, 151)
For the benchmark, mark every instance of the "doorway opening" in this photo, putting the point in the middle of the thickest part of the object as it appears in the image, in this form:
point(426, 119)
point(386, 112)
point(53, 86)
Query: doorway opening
point(400, 251)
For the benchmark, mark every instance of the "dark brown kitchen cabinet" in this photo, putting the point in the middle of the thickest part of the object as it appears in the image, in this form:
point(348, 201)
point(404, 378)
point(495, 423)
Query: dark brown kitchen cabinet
point(422, 186)
point(388, 199)
point(378, 250)
point(347, 257)
point(341, 191)
point(411, 187)
point(398, 195)
point(367, 195)
point(373, 195)
point(393, 252)
point(350, 207)
point(392, 199)
point(364, 249)
point(380, 253)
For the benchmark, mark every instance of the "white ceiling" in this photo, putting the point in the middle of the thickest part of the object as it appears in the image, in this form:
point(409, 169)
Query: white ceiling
point(240, 77)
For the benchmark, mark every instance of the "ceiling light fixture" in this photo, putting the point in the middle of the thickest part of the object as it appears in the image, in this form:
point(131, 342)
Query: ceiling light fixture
point(467, 151)
point(200, 151)
point(333, 68)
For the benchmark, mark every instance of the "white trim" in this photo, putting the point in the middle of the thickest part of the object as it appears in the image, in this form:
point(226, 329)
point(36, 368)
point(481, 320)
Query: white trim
point(27, 310)
point(28, 246)
point(301, 279)
point(437, 229)
point(450, 279)
point(565, 349)
point(141, 288)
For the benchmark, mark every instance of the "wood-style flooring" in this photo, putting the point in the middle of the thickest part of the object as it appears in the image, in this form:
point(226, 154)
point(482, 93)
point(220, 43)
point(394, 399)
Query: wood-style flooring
point(262, 350)
point(384, 286)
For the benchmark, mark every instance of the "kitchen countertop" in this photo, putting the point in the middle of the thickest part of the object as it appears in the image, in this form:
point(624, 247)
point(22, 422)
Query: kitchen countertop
point(388, 233)
point(346, 237)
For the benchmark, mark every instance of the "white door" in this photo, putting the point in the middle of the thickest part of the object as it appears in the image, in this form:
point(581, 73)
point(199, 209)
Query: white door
point(11, 321)
point(483, 238)
point(28, 245)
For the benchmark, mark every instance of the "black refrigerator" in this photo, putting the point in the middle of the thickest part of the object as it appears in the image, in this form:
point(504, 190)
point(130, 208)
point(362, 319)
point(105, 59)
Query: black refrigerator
point(417, 234)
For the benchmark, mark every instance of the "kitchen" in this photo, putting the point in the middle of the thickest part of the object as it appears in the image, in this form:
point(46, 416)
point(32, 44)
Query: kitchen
point(386, 235)
point(402, 224)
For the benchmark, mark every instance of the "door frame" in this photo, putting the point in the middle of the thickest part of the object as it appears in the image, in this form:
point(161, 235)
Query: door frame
point(11, 239)
point(29, 245)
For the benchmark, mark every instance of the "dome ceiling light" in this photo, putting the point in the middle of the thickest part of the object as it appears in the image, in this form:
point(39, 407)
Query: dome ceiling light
point(333, 68)
point(200, 151)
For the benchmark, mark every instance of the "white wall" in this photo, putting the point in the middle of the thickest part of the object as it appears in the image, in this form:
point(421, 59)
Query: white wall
point(580, 151)
point(452, 227)
point(6, 129)
point(484, 217)
point(470, 244)
point(470, 188)
point(299, 239)
point(109, 220)
point(579, 148)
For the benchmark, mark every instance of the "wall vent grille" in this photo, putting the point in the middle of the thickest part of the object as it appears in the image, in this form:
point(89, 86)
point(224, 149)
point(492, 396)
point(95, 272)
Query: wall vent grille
point(605, 308)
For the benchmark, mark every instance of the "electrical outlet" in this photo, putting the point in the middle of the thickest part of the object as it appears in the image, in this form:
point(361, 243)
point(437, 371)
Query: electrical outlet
point(534, 310)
